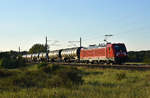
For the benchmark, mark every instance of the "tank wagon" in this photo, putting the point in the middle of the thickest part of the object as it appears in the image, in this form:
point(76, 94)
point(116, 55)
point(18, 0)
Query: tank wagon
point(54, 56)
point(42, 57)
point(28, 57)
point(35, 57)
point(111, 53)
point(70, 54)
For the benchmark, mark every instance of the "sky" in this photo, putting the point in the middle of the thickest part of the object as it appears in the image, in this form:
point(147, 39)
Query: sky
point(27, 22)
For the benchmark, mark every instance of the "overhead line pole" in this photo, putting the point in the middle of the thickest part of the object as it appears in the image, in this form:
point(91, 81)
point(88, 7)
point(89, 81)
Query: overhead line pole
point(80, 42)
point(46, 45)
point(19, 50)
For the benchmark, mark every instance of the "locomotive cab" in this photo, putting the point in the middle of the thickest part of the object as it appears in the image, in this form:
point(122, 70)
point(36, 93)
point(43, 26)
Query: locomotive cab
point(120, 53)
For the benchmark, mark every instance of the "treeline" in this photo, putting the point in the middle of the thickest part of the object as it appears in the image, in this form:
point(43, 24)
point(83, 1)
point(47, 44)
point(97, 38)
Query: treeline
point(139, 56)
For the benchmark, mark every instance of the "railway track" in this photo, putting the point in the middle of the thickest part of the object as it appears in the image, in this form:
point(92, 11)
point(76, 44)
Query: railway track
point(124, 66)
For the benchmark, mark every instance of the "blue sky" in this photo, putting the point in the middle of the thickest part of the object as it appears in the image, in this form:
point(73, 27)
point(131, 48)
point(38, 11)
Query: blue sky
point(26, 22)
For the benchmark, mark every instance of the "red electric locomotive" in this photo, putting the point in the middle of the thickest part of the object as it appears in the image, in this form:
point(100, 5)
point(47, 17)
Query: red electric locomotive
point(111, 53)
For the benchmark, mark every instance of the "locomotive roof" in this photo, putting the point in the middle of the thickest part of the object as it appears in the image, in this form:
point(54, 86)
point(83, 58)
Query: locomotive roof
point(71, 48)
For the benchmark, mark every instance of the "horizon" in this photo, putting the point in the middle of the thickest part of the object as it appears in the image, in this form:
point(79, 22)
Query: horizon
point(27, 22)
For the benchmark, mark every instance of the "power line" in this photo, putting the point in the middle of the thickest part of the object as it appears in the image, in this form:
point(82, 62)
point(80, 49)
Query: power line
point(106, 37)
point(73, 42)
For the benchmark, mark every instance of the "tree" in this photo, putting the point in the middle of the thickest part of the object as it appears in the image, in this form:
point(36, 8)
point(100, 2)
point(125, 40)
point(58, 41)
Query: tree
point(37, 48)
point(139, 56)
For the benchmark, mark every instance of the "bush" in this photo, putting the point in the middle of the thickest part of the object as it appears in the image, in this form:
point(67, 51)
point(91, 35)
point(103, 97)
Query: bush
point(51, 68)
point(20, 61)
point(147, 60)
point(31, 79)
point(63, 76)
point(43, 64)
point(8, 63)
point(12, 62)
point(66, 77)
point(120, 76)
point(4, 73)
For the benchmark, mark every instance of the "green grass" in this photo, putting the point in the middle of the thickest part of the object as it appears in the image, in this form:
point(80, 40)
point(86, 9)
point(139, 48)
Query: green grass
point(98, 83)
point(118, 83)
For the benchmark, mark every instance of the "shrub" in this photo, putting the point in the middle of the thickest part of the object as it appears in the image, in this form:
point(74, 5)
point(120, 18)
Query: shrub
point(30, 79)
point(12, 62)
point(68, 77)
point(63, 76)
point(51, 68)
point(20, 62)
point(55, 67)
point(4, 73)
point(43, 64)
point(120, 76)
point(8, 63)
point(147, 60)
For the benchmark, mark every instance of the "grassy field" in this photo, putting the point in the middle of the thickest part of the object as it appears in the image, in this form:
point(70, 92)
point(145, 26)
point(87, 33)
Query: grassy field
point(98, 83)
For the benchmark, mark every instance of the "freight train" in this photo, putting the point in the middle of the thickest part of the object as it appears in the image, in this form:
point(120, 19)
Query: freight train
point(109, 54)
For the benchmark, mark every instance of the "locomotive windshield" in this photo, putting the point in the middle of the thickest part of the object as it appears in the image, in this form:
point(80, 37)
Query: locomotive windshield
point(120, 47)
